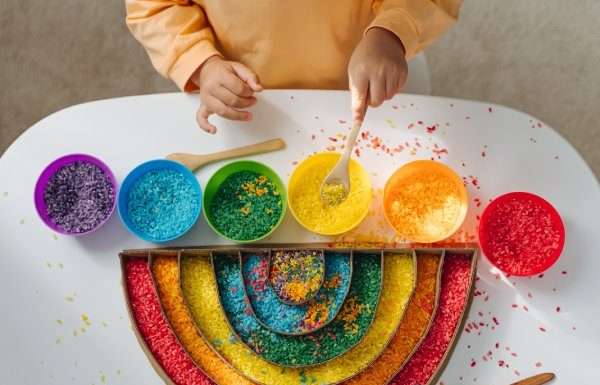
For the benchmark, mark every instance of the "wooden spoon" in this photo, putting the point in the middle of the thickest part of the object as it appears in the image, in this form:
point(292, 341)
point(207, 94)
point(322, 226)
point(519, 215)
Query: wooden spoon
point(538, 379)
point(195, 161)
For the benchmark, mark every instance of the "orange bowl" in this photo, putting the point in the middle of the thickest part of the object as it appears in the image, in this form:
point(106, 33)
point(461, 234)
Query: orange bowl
point(425, 201)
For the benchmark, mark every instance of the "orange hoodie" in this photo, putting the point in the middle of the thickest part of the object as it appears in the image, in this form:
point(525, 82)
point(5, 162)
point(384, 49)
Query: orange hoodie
point(289, 44)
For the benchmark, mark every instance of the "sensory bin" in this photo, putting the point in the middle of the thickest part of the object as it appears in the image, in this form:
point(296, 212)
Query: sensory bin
point(211, 315)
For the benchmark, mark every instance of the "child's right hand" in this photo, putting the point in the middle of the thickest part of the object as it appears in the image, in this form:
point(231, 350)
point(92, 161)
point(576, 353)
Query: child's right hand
point(226, 88)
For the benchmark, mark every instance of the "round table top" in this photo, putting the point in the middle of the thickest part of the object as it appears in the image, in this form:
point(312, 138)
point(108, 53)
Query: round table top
point(65, 319)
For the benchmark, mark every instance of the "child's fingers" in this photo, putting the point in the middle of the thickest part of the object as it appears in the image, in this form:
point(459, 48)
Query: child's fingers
point(376, 92)
point(236, 85)
point(202, 118)
point(392, 87)
point(396, 83)
point(230, 113)
point(232, 100)
point(389, 87)
point(247, 75)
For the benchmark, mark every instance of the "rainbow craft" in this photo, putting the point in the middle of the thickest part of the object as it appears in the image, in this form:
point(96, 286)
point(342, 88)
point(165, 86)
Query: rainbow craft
point(298, 314)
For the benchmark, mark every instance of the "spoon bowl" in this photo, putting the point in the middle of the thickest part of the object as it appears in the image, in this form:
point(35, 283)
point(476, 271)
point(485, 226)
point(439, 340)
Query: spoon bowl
point(335, 187)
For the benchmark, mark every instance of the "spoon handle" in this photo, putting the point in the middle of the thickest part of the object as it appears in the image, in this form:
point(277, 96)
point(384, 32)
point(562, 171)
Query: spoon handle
point(194, 162)
point(351, 141)
point(536, 380)
point(353, 134)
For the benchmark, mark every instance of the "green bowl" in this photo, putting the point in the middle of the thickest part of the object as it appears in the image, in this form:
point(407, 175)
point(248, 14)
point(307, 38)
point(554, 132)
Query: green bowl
point(223, 173)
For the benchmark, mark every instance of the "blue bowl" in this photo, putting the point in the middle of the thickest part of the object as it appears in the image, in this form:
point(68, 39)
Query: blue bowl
point(135, 175)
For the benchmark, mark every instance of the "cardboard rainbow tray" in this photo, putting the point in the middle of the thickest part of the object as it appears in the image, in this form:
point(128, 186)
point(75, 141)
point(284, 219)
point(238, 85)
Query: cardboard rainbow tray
point(298, 314)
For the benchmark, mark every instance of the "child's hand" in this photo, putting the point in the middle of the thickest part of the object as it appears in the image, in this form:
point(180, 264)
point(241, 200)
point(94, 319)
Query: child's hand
point(377, 70)
point(226, 87)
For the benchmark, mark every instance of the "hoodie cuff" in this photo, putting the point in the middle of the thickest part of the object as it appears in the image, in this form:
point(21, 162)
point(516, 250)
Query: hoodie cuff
point(186, 65)
point(401, 24)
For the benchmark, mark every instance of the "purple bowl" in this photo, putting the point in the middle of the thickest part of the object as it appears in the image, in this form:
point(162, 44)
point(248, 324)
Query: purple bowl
point(50, 170)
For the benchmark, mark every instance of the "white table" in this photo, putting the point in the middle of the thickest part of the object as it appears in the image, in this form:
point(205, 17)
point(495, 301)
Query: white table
point(48, 282)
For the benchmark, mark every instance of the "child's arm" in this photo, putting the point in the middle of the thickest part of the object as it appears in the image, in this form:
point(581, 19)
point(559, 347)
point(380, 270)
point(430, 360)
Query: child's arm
point(401, 28)
point(175, 33)
point(180, 42)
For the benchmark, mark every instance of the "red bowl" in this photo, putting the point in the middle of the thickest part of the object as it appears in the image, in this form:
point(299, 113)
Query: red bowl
point(521, 234)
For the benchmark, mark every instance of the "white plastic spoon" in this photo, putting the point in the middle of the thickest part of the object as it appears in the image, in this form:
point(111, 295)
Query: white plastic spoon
point(336, 185)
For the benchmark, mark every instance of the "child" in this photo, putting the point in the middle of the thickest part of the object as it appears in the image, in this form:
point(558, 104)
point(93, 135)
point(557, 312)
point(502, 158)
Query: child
point(223, 47)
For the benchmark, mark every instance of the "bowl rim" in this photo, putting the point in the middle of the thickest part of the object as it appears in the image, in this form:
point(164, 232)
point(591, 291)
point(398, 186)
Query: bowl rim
point(555, 217)
point(135, 174)
point(50, 170)
point(449, 171)
point(333, 233)
point(278, 182)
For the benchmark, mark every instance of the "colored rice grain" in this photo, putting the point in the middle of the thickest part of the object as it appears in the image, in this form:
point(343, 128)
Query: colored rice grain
point(154, 328)
point(296, 276)
point(520, 236)
point(333, 194)
point(162, 204)
point(289, 319)
point(246, 206)
point(416, 320)
point(200, 290)
point(344, 332)
point(305, 196)
point(79, 197)
point(454, 295)
point(165, 272)
point(424, 205)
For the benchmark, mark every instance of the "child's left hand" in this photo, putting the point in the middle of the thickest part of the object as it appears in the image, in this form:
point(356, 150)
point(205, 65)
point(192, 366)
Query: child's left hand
point(377, 70)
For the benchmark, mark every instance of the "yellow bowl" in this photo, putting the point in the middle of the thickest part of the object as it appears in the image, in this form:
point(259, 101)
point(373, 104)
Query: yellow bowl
point(305, 200)
point(425, 201)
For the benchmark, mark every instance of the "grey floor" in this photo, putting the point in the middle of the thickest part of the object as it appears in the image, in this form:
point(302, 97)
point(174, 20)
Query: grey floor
point(539, 56)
